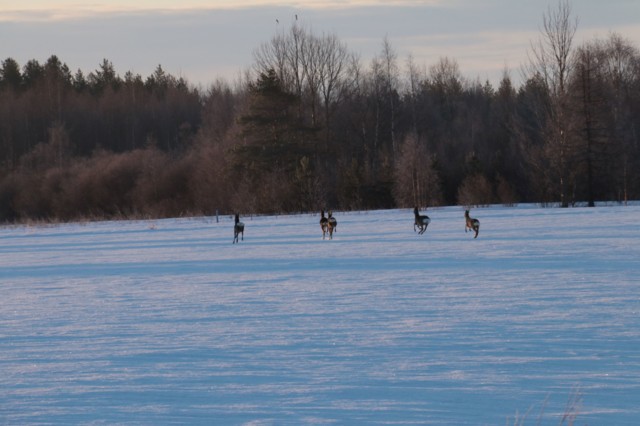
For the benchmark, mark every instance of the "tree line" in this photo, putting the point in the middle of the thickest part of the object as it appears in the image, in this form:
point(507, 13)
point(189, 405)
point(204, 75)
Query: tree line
point(311, 126)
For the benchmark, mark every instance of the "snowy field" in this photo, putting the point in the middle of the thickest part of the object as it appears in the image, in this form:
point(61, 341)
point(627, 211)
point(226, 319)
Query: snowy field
point(168, 322)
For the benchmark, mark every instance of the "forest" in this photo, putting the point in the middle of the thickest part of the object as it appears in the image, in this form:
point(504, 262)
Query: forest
point(312, 126)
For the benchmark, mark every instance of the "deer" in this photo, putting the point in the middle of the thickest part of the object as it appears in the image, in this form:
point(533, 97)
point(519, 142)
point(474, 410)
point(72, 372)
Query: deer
point(471, 223)
point(324, 223)
point(332, 225)
point(421, 221)
point(238, 228)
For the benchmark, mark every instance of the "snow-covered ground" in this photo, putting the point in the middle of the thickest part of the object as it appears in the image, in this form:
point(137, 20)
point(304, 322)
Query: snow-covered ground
point(169, 322)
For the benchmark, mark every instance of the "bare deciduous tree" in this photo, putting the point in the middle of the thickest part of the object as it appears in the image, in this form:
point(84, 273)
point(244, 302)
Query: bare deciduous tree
point(335, 77)
point(622, 71)
point(551, 59)
point(416, 181)
point(412, 90)
point(388, 59)
point(309, 66)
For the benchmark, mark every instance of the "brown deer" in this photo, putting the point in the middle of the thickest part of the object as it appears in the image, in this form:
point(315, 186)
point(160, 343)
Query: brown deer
point(421, 221)
point(238, 228)
point(471, 223)
point(324, 223)
point(332, 225)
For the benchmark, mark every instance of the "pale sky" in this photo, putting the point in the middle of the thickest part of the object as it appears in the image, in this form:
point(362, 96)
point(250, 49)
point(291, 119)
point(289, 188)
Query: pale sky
point(202, 40)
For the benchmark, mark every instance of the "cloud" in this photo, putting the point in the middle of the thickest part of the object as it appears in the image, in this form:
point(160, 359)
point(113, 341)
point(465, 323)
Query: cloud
point(203, 43)
point(48, 10)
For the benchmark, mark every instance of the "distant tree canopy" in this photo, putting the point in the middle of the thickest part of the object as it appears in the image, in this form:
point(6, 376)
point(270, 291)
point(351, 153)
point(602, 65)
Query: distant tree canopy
point(313, 127)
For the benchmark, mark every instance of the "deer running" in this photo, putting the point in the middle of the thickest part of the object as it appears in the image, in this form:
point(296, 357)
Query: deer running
point(238, 228)
point(471, 223)
point(421, 221)
point(324, 223)
point(332, 224)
